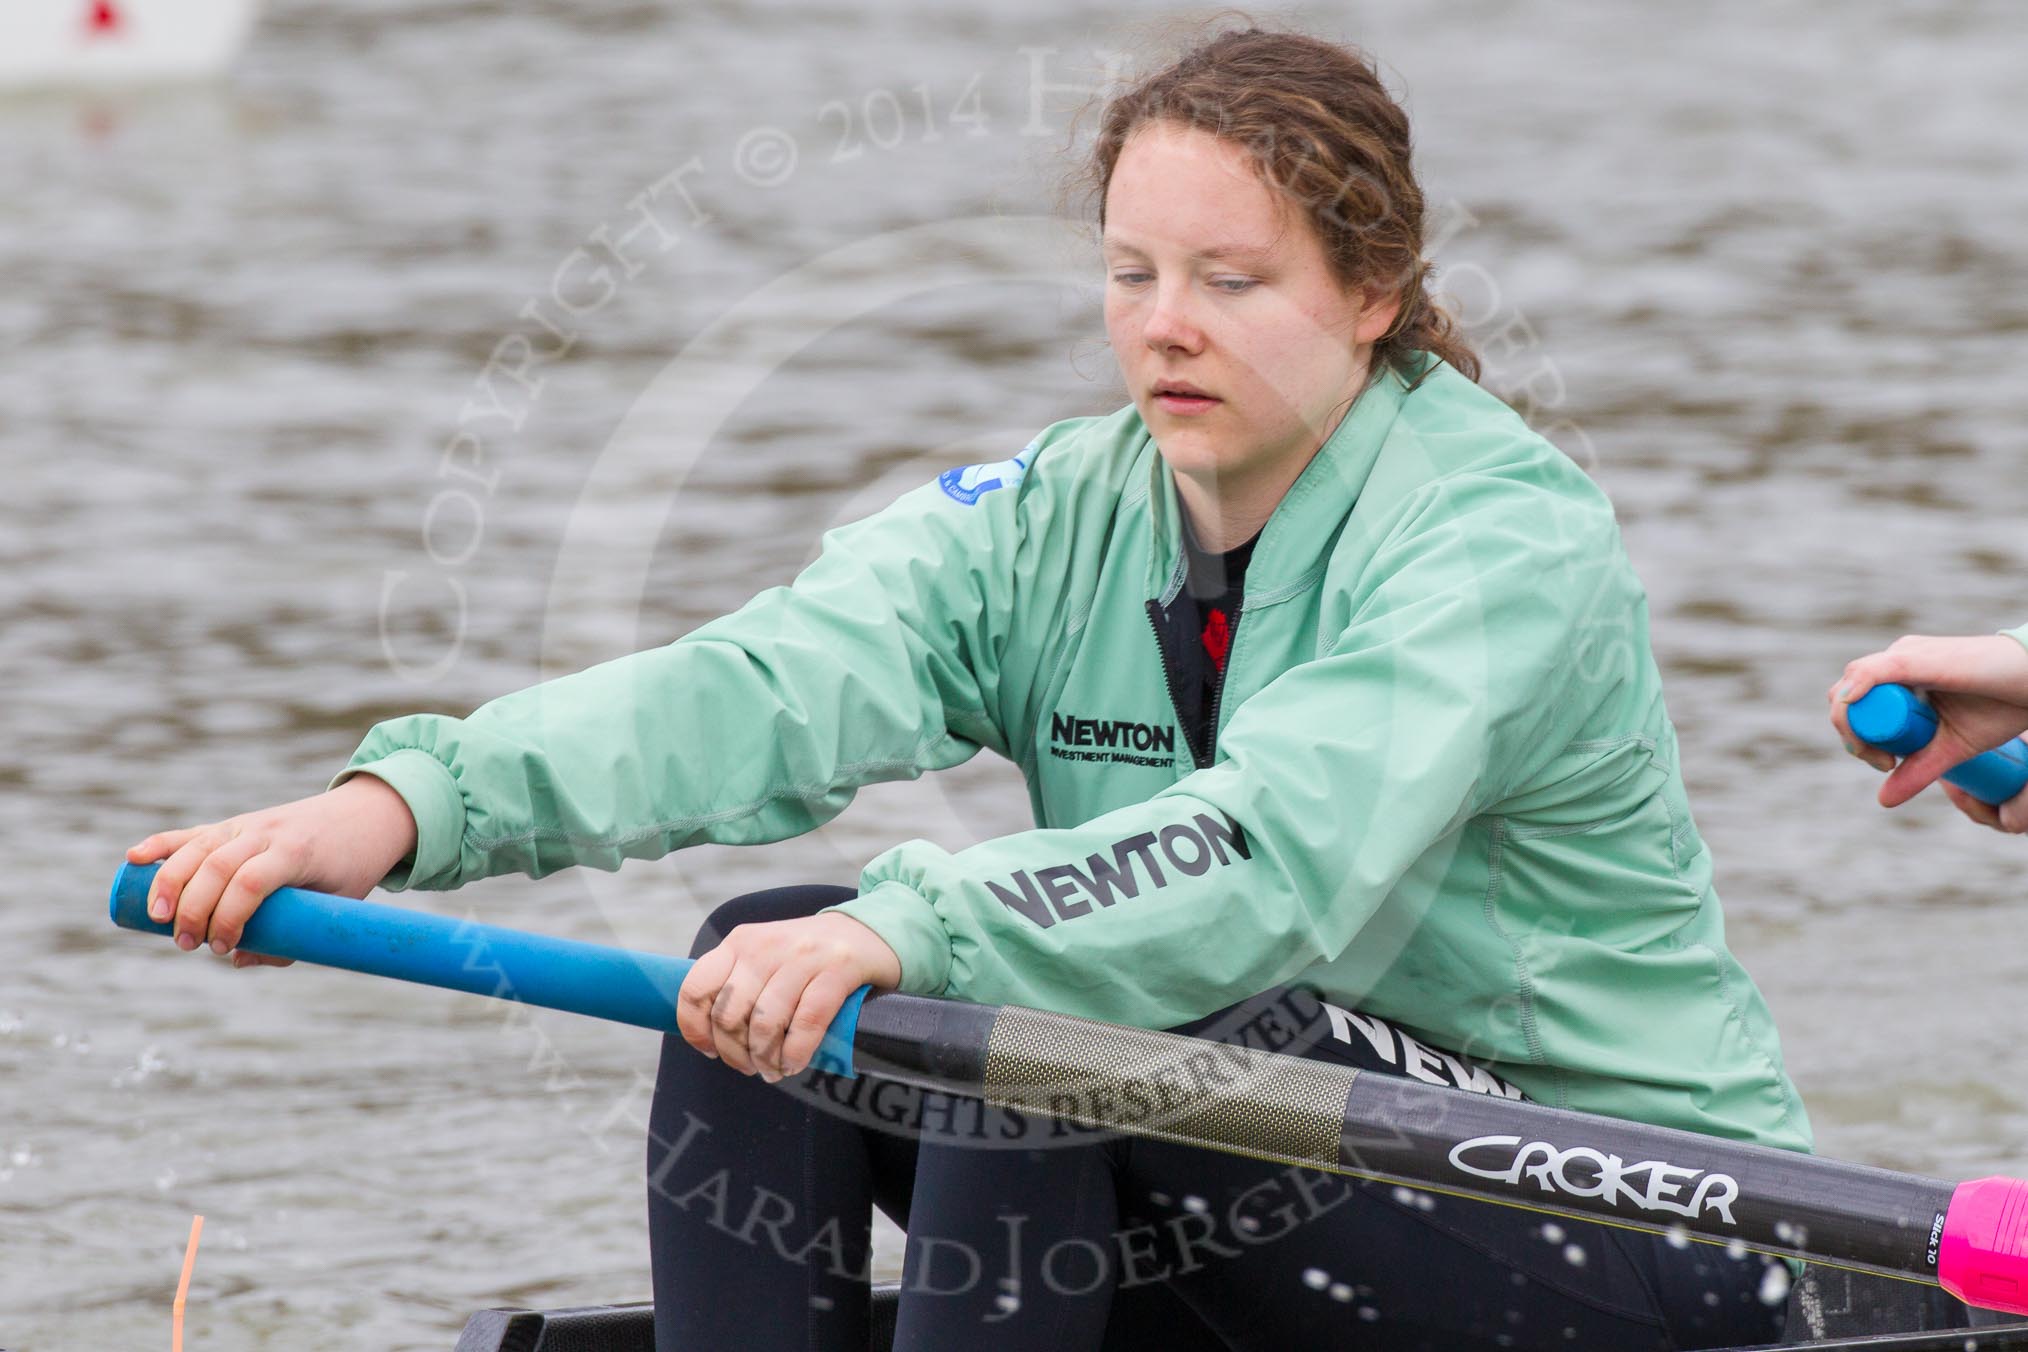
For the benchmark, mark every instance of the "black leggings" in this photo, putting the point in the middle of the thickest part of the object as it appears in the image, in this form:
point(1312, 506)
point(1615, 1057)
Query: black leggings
point(1024, 1233)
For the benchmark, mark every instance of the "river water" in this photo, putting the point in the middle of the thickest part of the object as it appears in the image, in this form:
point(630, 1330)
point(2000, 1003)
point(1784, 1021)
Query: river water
point(1762, 271)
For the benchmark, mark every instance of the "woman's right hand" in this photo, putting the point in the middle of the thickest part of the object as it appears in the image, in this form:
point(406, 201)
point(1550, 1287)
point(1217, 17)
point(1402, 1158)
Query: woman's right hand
point(1979, 689)
point(215, 876)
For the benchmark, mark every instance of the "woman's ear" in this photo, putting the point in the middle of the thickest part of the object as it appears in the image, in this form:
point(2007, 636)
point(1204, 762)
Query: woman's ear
point(1377, 318)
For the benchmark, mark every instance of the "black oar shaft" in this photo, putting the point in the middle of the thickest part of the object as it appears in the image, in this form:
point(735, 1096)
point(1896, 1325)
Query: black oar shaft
point(1326, 1116)
point(1655, 1178)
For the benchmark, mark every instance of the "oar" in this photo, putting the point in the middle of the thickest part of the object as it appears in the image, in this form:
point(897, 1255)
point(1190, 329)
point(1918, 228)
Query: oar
point(1897, 720)
point(1971, 1239)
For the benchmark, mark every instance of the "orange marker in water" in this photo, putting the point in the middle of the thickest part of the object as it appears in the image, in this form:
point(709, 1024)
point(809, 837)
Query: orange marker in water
point(183, 1285)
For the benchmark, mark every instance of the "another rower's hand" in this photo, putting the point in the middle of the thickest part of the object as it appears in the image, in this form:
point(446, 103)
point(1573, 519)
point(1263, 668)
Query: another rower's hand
point(1979, 689)
point(215, 876)
point(2010, 816)
point(762, 999)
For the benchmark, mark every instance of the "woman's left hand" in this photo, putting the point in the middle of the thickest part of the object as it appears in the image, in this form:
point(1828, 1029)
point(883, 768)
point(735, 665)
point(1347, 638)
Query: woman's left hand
point(762, 999)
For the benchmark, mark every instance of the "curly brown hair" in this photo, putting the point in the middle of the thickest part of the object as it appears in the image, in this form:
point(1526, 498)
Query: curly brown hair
point(1319, 127)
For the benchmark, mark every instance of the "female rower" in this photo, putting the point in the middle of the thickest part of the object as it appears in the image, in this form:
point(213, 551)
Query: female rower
point(1332, 687)
point(1979, 687)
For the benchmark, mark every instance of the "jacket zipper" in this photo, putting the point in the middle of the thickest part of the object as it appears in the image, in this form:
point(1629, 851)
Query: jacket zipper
point(1201, 756)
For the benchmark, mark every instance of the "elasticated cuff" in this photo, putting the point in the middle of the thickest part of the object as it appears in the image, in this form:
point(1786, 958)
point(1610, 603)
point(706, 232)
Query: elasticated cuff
point(427, 786)
point(905, 919)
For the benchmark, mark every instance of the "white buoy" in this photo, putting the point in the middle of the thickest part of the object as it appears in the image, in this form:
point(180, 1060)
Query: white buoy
point(100, 42)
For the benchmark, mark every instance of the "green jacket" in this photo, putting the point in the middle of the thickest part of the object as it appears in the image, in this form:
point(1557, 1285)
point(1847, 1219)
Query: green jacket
point(1444, 789)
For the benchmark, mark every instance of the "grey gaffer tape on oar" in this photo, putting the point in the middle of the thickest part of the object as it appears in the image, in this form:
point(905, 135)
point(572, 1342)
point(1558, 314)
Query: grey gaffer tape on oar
point(1279, 1108)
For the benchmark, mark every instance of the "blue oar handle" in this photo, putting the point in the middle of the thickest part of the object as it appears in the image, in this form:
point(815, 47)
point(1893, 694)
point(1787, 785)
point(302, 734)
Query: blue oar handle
point(463, 955)
point(1895, 719)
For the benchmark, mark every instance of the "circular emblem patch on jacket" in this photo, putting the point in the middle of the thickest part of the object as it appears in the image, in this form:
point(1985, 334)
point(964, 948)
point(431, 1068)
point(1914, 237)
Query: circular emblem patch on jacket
point(968, 483)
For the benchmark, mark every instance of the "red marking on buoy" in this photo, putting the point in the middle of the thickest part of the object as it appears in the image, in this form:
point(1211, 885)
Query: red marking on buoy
point(104, 18)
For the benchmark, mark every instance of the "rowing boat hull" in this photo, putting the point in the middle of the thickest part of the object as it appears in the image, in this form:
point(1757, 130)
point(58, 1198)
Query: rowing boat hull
point(1859, 1312)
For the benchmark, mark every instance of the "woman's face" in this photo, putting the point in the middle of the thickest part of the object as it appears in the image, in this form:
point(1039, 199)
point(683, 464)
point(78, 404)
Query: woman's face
point(1265, 329)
